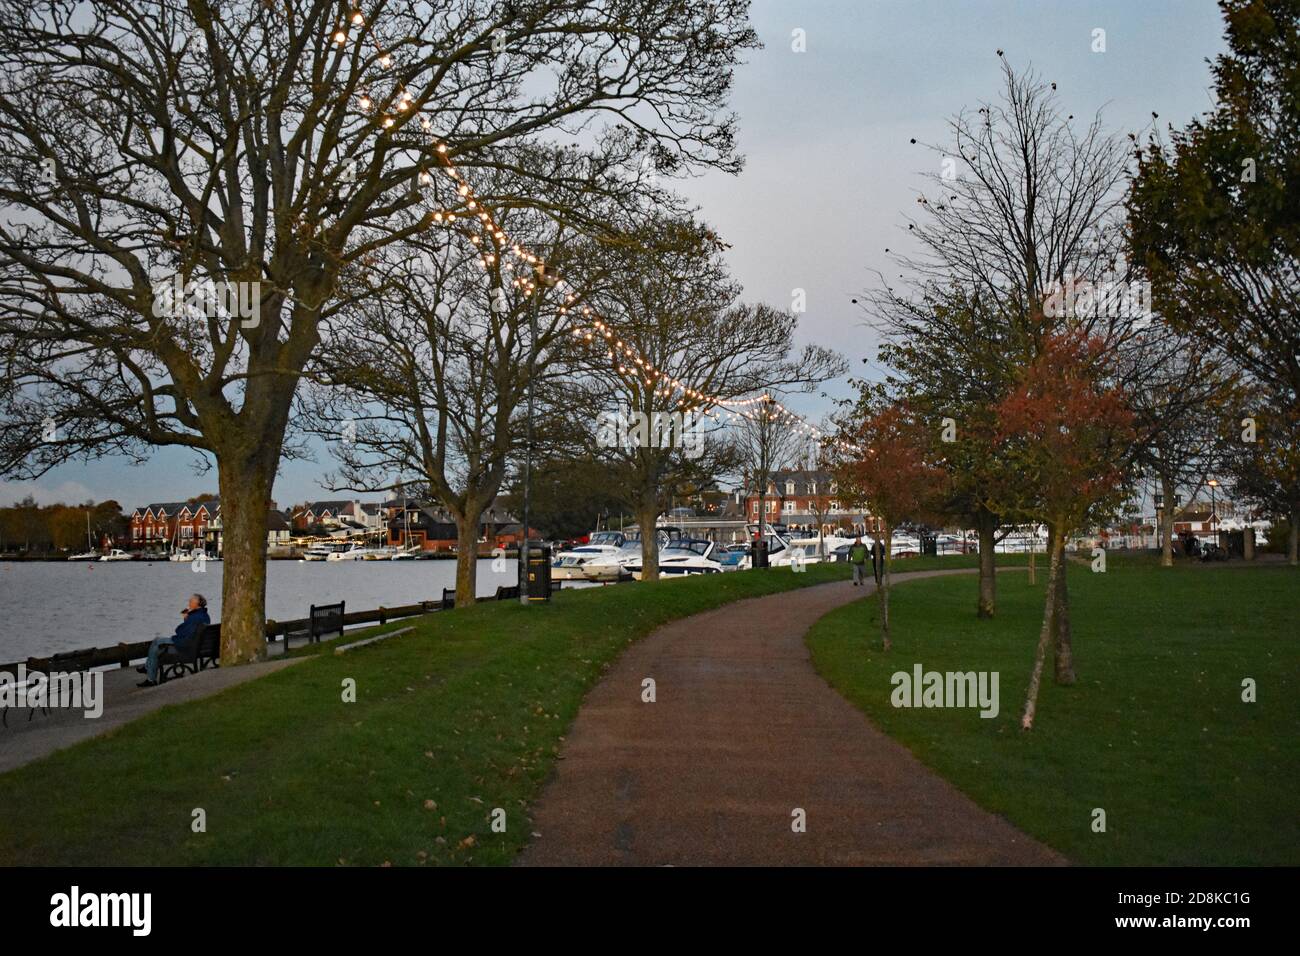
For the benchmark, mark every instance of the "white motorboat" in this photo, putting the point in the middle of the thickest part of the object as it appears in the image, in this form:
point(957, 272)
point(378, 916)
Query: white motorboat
point(408, 555)
point(682, 558)
point(356, 552)
point(386, 553)
point(602, 547)
point(317, 552)
point(184, 555)
point(117, 554)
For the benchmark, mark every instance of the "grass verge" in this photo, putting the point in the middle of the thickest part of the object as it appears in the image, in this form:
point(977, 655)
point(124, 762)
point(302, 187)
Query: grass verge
point(1155, 732)
point(464, 715)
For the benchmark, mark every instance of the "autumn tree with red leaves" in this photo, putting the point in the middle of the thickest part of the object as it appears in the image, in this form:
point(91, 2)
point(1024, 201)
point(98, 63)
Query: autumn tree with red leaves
point(1070, 435)
point(882, 459)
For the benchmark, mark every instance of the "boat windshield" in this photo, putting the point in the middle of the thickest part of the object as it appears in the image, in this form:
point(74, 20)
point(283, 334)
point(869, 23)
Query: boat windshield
point(614, 538)
point(695, 547)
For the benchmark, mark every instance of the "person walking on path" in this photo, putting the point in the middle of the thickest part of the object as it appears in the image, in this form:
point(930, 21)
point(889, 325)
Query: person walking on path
point(858, 558)
point(877, 560)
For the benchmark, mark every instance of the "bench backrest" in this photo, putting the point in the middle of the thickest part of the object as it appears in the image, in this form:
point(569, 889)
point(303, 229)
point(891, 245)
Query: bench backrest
point(209, 642)
point(326, 619)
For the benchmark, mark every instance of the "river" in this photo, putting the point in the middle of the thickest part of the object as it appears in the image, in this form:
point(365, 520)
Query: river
point(47, 607)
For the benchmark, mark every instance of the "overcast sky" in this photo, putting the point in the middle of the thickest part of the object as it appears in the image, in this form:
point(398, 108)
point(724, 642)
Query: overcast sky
point(830, 171)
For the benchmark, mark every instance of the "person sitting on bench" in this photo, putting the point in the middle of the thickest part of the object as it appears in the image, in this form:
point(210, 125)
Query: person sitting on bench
point(196, 619)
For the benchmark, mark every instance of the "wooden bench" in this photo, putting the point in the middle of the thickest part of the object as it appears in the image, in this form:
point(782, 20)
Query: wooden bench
point(41, 669)
point(202, 651)
point(324, 619)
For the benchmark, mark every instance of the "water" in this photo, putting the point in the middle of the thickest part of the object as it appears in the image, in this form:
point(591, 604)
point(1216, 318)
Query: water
point(47, 607)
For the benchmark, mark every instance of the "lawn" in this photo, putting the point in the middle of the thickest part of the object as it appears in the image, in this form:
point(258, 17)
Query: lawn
point(1155, 732)
point(460, 717)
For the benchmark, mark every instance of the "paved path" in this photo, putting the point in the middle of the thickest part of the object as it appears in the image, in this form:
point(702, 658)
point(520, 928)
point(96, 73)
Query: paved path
point(24, 741)
point(744, 731)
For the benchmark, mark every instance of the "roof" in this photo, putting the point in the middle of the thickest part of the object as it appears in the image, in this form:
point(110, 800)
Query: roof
point(316, 507)
point(803, 479)
point(175, 507)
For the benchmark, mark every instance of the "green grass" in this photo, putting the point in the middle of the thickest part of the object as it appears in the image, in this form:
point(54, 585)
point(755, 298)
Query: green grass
point(467, 711)
point(1155, 732)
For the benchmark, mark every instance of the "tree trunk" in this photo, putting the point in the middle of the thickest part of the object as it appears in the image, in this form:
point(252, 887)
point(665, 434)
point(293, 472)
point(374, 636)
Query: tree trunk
point(466, 558)
point(245, 500)
point(1293, 540)
point(987, 524)
point(645, 517)
point(1044, 635)
point(1061, 616)
point(884, 592)
point(1167, 524)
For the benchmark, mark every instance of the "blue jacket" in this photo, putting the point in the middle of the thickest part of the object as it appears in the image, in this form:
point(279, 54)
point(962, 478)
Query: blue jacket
point(191, 627)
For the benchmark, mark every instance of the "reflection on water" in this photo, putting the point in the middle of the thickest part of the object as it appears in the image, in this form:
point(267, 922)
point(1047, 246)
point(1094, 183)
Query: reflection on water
point(46, 607)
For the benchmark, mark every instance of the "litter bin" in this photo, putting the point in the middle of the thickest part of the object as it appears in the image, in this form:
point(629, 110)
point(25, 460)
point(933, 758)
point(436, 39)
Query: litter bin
point(759, 553)
point(535, 578)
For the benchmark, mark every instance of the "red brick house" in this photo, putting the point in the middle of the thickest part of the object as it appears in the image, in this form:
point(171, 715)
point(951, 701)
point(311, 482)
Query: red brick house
point(327, 513)
point(172, 524)
point(805, 500)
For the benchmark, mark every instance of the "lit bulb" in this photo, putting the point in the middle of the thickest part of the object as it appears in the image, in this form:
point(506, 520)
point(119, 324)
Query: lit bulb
point(340, 38)
point(388, 121)
point(358, 19)
point(385, 61)
point(365, 102)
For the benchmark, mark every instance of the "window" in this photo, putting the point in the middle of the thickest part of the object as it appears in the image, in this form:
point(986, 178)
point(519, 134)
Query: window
point(789, 487)
point(834, 487)
point(812, 487)
point(835, 506)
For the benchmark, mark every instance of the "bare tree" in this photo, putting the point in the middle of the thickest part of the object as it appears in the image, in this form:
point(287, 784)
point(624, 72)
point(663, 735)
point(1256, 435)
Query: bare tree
point(273, 149)
point(675, 345)
point(1023, 205)
point(769, 442)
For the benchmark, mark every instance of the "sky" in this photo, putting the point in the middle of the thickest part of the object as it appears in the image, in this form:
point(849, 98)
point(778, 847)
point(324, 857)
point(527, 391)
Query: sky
point(830, 172)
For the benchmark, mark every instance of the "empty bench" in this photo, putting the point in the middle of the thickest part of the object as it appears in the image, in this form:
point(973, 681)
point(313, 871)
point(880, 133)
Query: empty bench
point(41, 669)
point(322, 621)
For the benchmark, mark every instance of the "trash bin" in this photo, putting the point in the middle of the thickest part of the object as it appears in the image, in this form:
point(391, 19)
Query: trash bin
point(535, 578)
point(759, 553)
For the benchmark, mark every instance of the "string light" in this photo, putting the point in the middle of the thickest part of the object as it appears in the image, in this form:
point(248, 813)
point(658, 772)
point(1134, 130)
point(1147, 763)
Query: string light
point(498, 235)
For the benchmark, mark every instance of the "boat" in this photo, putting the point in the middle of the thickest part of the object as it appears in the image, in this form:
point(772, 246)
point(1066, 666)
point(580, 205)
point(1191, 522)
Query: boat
point(602, 547)
point(386, 553)
point(684, 557)
point(355, 552)
point(318, 552)
point(408, 555)
point(117, 554)
point(90, 554)
point(185, 555)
